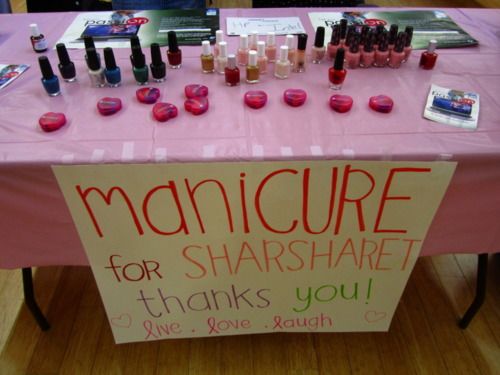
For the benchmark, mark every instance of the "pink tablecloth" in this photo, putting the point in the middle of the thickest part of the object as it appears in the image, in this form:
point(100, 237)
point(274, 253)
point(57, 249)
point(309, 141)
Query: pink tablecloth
point(36, 227)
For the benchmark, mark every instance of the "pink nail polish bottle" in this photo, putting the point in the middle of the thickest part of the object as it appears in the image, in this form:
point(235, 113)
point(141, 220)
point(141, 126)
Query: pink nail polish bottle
point(242, 55)
point(261, 57)
point(393, 35)
point(318, 49)
point(352, 56)
point(397, 54)
point(219, 37)
point(382, 53)
point(368, 53)
point(408, 48)
point(334, 44)
point(271, 46)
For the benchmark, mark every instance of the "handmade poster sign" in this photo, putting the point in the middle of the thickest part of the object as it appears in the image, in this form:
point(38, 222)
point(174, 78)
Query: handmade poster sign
point(188, 250)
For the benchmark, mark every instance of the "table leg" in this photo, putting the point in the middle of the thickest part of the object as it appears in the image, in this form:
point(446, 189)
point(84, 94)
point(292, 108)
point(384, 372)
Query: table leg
point(29, 299)
point(482, 268)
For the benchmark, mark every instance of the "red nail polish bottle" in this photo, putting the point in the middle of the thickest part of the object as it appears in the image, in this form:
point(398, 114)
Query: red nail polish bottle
point(429, 57)
point(337, 73)
point(174, 54)
point(231, 71)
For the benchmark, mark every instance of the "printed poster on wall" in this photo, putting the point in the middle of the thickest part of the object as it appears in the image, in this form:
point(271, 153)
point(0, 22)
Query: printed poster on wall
point(210, 249)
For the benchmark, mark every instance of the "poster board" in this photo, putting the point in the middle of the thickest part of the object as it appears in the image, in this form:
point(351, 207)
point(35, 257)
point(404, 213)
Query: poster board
point(194, 250)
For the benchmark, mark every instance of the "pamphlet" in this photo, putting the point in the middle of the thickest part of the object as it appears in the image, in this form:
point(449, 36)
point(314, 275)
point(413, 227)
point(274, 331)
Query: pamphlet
point(279, 25)
point(452, 107)
point(114, 29)
point(9, 73)
point(427, 25)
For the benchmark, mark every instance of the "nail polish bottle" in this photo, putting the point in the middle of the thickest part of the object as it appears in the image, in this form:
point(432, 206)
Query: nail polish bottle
point(38, 41)
point(397, 55)
point(112, 72)
point(96, 72)
point(343, 31)
point(300, 57)
point(393, 34)
point(368, 53)
point(261, 57)
point(219, 37)
point(318, 51)
point(158, 67)
point(89, 44)
point(253, 38)
point(282, 66)
point(66, 66)
point(222, 59)
point(231, 72)
point(139, 67)
point(50, 81)
point(351, 32)
point(408, 48)
point(242, 54)
point(382, 53)
point(337, 73)
point(334, 44)
point(352, 55)
point(252, 68)
point(271, 46)
point(289, 42)
point(429, 57)
point(207, 58)
point(174, 54)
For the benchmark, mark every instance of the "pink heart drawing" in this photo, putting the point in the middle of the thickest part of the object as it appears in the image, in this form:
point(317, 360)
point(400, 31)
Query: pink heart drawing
point(122, 321)
point(374, 316)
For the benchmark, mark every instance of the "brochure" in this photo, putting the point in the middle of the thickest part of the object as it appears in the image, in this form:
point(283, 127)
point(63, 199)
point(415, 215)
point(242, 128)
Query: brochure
point(8, 73)
point(114, 29)
point(452, 107)
point(280, 25)
point(427, 25)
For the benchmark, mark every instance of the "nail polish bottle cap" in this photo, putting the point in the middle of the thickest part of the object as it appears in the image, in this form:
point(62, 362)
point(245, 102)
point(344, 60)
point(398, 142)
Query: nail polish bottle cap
point(335, 34)
point(432, 45)
point(400, 42)
point(393, 33)
point(205, 48)
point(219, 36)
point(231, 61)
point(222, 49)
point(138, 59)
point(283, 53)
point(370, 39)
point(271, 38)
point(409, 35)
point(252, 58)
point(89, 42)
point(383, 44)
point(343, 28)
point(338, 64)
point(351, 30)
point(289, 41)
point(261, 48)
point(134, 41)
point(62, 53)
point(35, 31)
point(364, 33)
point(319, 38)
point(243, 41)
point(109, 58)
point(45, 67)
point(156, 54)
point(354, 46)
point(382, 37)
point(173, 46)
point(254, 35)
point(302, 42)
point(379, 29)
point(93, 61)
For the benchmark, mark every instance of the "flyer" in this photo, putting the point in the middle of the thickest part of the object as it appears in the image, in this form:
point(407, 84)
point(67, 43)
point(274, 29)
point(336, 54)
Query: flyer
point(452, 107)
point(427, 25)
point(278, 25)
point(114, 29)
point(9, 73)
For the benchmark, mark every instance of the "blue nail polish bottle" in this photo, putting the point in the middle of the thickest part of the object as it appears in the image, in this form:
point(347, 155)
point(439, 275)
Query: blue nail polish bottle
point(112, 72)
point(49, 80)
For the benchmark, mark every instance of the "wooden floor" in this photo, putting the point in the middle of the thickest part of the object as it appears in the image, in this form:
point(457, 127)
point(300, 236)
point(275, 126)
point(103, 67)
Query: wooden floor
point(424, 337)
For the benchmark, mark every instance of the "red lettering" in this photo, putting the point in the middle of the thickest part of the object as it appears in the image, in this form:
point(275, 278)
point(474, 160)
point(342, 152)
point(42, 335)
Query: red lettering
point(385, 197)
